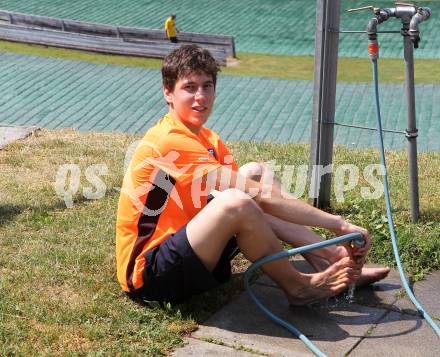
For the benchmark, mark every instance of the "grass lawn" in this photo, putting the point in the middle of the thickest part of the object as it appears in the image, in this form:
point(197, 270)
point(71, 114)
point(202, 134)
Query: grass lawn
point(58, 290)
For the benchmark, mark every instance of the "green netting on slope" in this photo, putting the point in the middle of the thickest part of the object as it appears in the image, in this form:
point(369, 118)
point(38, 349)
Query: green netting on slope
point(91, 97)
point(262, 26)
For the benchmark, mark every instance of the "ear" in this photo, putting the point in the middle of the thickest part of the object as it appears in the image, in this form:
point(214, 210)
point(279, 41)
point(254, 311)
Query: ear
point(168, 95)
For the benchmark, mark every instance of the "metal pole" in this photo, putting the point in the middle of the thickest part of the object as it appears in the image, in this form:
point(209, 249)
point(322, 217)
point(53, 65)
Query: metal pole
point(326, 58)
point(411, 131)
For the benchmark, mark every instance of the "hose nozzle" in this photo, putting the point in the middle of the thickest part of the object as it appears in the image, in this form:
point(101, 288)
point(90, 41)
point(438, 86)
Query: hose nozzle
point(358, 241)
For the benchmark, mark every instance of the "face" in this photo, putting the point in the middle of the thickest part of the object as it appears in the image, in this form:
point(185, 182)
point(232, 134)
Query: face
point(192, 100)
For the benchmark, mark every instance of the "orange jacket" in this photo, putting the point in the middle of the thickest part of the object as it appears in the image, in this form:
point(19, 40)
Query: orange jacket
point(162, 191)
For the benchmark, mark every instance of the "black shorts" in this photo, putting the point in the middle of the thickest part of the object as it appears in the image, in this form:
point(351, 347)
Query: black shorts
point(173, 272)
point(173, 39)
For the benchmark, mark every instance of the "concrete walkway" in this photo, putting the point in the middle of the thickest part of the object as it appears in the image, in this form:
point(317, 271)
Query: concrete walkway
point(379, 323)
point(11, 133)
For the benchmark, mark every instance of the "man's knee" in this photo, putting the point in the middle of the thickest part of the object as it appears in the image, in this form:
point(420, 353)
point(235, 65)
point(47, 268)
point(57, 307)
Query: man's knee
point(238, 205)
point(252, 170)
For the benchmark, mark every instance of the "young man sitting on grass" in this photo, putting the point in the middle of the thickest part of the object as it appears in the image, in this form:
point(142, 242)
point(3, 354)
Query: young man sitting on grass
point(172, 243)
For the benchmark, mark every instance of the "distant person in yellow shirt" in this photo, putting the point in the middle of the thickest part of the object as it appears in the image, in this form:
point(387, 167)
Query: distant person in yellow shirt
point(170, 28)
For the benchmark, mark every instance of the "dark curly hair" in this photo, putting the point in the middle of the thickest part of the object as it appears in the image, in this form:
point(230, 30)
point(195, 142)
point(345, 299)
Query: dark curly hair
point(186, 60)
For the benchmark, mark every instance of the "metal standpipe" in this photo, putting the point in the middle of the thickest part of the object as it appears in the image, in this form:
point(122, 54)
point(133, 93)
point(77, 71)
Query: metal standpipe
point(411, 16)
point(410, 33)
point(411, 131)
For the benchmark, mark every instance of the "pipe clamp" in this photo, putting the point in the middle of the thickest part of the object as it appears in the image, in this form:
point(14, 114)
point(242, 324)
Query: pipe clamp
point(411, 134)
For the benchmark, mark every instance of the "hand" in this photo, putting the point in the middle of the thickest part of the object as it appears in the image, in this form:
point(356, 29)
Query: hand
point(358, 254)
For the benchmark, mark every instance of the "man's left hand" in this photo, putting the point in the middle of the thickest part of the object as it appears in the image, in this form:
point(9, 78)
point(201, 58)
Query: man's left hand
point(358, 254)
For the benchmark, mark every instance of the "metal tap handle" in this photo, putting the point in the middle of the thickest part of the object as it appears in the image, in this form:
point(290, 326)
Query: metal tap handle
point(372, 8)
point(406, 4)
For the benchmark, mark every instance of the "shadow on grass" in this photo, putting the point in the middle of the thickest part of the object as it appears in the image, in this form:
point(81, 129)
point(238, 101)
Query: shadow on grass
point(203, 306)
point(9, 212)
point(200, 307)
point(431, 215)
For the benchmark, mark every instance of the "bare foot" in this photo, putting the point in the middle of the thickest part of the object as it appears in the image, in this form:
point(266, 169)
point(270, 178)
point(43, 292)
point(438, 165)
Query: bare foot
point(371, 275)
point(321, 285)
point(317, 262)
point(367, 275)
